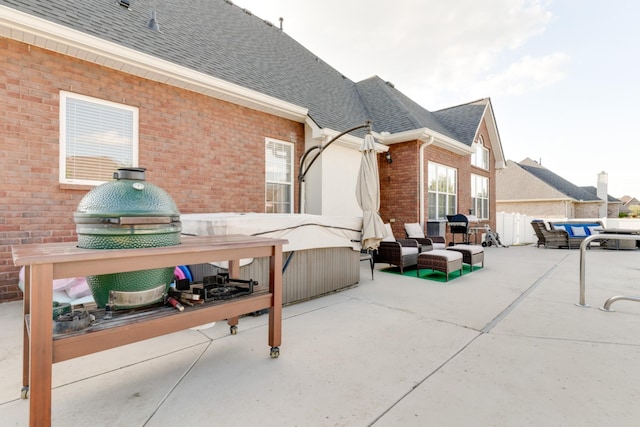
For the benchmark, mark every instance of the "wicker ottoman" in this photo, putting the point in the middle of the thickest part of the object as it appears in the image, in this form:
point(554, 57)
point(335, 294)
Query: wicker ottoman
point(471, 254)
point(440, 260)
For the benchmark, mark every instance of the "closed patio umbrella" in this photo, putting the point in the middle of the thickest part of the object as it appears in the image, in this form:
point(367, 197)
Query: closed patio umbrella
point(368, 195)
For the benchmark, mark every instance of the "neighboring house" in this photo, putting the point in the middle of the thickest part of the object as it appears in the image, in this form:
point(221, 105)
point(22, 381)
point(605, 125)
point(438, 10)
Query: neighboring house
point(531, 189)
point(219, 106)
point(630, 206)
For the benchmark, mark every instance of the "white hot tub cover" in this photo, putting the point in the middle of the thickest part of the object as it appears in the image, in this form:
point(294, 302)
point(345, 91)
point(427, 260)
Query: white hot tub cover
point(303, 231)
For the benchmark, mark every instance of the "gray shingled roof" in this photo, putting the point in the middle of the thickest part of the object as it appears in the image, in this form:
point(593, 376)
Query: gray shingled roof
point(462, 120)
point(220, 39)
point(392, 111)
point(594, 191)
point(559, 183)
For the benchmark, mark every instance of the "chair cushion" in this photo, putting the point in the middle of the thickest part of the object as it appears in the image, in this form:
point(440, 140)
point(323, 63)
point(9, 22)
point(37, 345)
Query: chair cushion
point(439, 246)
point(414, 230)
point(388, 237)
point(472, 249)
point(594, 229)
point(409, 250)
point(578, 231)
point(449, 255)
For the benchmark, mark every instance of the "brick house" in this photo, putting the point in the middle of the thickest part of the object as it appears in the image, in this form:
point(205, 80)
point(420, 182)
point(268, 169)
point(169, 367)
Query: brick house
point(531, 189)
point(214, 102)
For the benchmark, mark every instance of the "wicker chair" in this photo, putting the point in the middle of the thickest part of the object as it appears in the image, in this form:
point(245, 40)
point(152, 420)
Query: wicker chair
point(414, 231)
point(550, 238)
point(399, 252)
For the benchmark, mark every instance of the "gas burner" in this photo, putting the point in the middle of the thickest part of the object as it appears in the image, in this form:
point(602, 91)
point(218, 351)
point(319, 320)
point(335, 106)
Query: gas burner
point(226, 292)
point(73, 321)
point(220, 287)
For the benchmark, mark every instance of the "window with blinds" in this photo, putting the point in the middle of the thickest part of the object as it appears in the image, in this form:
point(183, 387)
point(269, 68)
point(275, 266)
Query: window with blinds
point(96, 138)
point(279, 177)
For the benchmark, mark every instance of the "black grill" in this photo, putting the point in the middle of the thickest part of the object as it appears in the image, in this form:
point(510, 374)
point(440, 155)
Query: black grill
point(459, 224)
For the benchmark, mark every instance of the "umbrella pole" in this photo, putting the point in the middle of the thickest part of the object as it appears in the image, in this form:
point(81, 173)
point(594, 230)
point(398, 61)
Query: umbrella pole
point(320, 148)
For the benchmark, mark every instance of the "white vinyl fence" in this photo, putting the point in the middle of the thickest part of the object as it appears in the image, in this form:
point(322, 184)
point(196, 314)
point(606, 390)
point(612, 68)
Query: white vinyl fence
point(515, 228)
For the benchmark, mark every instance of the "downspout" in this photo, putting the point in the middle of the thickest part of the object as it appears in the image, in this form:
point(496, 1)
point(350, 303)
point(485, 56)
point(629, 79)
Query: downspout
point(422, 148)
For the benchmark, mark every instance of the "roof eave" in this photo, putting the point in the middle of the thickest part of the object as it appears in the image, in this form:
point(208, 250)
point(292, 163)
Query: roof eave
point(45, 34)
point(424, 135)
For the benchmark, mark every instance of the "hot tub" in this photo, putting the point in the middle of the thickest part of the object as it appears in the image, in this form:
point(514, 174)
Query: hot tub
point(322, 256)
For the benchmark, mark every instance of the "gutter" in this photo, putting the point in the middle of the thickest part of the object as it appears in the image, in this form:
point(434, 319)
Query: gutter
point(435, 138)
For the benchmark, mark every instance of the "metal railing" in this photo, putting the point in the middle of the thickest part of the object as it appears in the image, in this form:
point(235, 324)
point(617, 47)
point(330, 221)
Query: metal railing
point(583, 247)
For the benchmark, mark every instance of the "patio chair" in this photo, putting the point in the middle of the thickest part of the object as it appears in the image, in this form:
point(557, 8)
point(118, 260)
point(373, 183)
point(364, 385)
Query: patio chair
point(538, 225)
point(399, 252)
point(414, 231)
point(550, 238)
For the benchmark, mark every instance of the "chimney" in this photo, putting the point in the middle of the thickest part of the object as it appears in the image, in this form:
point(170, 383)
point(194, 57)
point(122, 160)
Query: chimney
point(602, 193)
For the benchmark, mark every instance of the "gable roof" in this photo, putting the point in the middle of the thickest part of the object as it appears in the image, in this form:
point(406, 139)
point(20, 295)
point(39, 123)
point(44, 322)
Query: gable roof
point(219, 39)
point(629, 201)
point(556, 181)
point(460, 120)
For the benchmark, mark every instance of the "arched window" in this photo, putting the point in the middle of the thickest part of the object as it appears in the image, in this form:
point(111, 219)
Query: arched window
point(480, 156)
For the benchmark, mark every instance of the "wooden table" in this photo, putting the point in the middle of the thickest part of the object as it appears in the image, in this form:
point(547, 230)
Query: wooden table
point(47, 262)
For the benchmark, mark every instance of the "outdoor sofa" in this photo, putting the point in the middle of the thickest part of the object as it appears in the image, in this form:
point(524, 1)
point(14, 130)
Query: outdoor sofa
point(564, 234)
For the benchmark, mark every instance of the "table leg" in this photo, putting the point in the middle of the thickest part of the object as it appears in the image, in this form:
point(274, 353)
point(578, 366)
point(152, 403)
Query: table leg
point(234, 272)
point(26, 355)
point(275, 287)
point(41, 346)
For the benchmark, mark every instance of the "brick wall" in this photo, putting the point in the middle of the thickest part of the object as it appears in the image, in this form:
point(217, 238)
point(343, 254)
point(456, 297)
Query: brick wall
point(399, 190)
point(207, 154)
point(400, 182)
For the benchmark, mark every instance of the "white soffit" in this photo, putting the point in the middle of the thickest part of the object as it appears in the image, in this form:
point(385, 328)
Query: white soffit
point(38, 32)
point(425, 135)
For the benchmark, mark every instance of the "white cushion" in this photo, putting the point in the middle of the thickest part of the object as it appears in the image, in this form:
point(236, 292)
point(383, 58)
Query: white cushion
point(439, 246)
point(594, 229)
point(559, 227)
point(388, 234)
point(449, 255)
point(414, 230)
point(578, 231)
point(409, 250)
point(473, 249)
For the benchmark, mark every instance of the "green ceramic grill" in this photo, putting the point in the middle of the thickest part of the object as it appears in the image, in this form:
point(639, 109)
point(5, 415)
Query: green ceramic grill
point(123, 214)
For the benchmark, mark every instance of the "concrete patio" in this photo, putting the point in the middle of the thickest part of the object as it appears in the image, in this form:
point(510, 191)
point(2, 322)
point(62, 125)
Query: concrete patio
point(503, 346)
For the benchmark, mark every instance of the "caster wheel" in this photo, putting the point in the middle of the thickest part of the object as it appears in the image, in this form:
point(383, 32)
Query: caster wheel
point(490, 243)
point(275, 352)
point(24, 392)
point(233, 330)
point(484, 244)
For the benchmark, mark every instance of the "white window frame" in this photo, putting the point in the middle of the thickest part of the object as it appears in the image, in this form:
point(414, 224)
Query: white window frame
point(480, 201)
point(286, 170)
point(442, 192)
point(480, 156)
point(98, 134)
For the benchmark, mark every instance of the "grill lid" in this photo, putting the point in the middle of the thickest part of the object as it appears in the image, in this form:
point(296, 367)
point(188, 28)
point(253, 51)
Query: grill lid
point(128, 200)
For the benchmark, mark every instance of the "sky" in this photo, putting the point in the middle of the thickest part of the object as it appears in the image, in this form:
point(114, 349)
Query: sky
point(563, 75)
